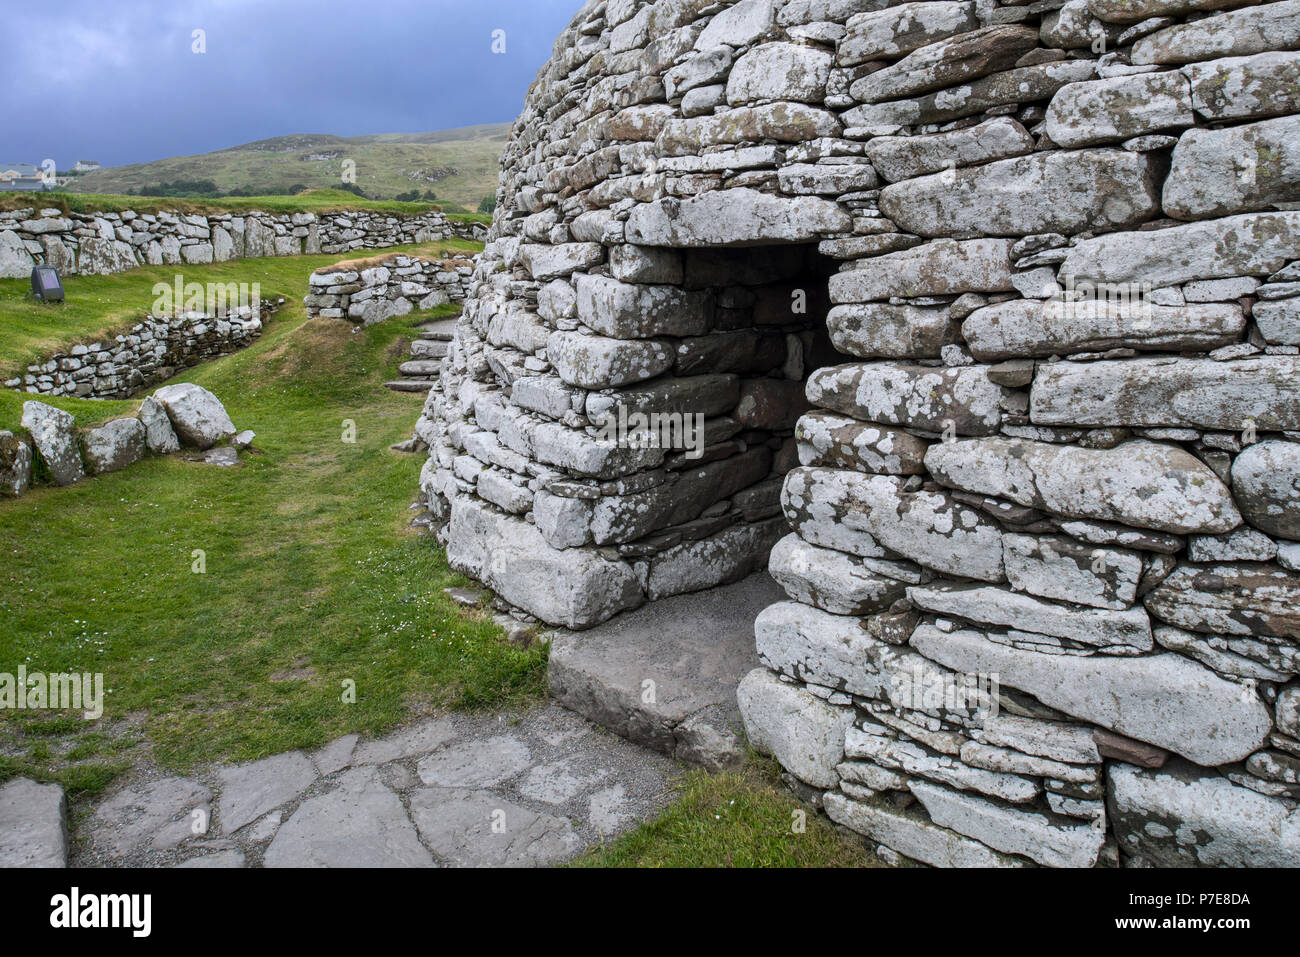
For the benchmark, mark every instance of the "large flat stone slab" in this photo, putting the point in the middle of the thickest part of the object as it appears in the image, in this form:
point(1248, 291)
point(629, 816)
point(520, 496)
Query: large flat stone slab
point(33, 830)
point(250, 790)
point(361, 823)
point(647, 673)
point(469, 828)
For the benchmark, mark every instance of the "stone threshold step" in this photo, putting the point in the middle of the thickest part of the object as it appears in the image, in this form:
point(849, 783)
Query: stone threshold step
point(420, 368)
point(409, 385)
point(665, 675)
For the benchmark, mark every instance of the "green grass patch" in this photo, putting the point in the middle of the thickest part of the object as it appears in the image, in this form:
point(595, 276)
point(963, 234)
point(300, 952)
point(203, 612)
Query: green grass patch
point(312, 578)
point(743, 818)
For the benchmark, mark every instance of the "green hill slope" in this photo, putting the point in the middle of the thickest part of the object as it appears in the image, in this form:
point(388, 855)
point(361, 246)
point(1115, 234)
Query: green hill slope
point(459, 166)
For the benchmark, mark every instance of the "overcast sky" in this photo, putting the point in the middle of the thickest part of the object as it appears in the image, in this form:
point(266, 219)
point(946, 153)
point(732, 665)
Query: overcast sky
point(119, 82)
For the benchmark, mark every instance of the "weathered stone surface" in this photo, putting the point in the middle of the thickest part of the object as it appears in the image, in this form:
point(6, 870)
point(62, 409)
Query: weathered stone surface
point(779, 71)
point(470, 828)
point(474, 764)
point(800, 730)
point(1266, 486)
point(1234, 170)
point(1170, 392)
point(909, 832)
point(545, 261)
point(1049, 739)
point(159, 436)
point(1184, 816)
point(631, 263)
point(15, 464)
point(942, 267)
point(734, 217)
point(1053, 566)
point(1230, 599)
point(802, 179)
point(1164, 699)
point(1123, 631)
point(55, 437)
point(574, 589)
point(1246, 88)
point(1270, 26)
point(638, 311)
point(902, 28)
point(33, 829)
point(947, 62)
point(1118, 107)
point(1063, 192)
point(599, 362)
point(1279, 321)
point(865, 514)
point(155, 815)
point(1140, 483)
point(361, 823)
point(1048, 327)
point(1053, 842)
point(720, 559)
point(1133, 11)
point(1021, 85)
point(961, 400)
point(114, 445)
point(738, 25)
point(830, 580)
point(250, 790)
point(196, 414)
point(785, 122)
point(1251, 245)
point(842, 442)
point(871, 330)
point(15, 260)
point(902, 157)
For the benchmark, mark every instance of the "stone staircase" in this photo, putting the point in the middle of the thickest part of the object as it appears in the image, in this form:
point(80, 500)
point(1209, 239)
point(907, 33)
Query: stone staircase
point(432, 342)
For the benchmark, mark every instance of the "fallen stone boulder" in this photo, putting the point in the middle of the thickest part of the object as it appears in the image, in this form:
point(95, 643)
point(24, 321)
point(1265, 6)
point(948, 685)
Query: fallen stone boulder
point(55, 436)
point(114, 445)
point(199, 418)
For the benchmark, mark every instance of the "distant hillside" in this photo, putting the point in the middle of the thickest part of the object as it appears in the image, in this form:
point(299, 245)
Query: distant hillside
point(459, 166)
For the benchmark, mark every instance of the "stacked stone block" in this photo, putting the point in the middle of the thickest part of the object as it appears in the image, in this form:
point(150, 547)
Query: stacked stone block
point(369, 291)
point(1037, 521)
point(108, 242)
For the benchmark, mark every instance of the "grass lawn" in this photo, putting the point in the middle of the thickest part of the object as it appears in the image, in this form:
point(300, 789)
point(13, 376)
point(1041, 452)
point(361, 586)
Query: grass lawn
point(311, 201)
point(743, 818)
point(312, 577)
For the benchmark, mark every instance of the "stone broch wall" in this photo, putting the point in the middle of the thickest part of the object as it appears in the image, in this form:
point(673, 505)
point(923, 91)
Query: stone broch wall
point(973, 466)
point(109, 242)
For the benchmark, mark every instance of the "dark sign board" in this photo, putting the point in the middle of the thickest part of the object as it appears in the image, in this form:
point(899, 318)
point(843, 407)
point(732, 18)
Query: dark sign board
point(46, 285)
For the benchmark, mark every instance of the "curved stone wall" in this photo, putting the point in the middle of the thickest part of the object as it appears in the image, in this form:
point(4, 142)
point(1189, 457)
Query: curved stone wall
point(991, 314)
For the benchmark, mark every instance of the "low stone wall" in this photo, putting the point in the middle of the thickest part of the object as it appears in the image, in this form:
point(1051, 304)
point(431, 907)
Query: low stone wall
point(370, 290)
point(100, 243)
point(151, 351)
point(1040, 547)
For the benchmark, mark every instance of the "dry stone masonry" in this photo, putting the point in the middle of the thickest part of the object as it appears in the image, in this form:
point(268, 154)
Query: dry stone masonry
point(150, 351)
point(991, 314)
point(109, 242)
point(371, 290)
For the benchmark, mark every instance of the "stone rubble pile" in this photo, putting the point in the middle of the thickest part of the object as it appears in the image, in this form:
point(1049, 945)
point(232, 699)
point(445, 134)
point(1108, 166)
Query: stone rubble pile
point(1028, 462)
point(108, 242)
point(150, 351)
point(182, 414)
point(371, 290)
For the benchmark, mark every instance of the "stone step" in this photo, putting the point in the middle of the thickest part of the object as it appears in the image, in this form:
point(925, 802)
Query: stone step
point(439, 329)
point(693, 648)
point(428, 349)
point(409, 385)
point(417, 368)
